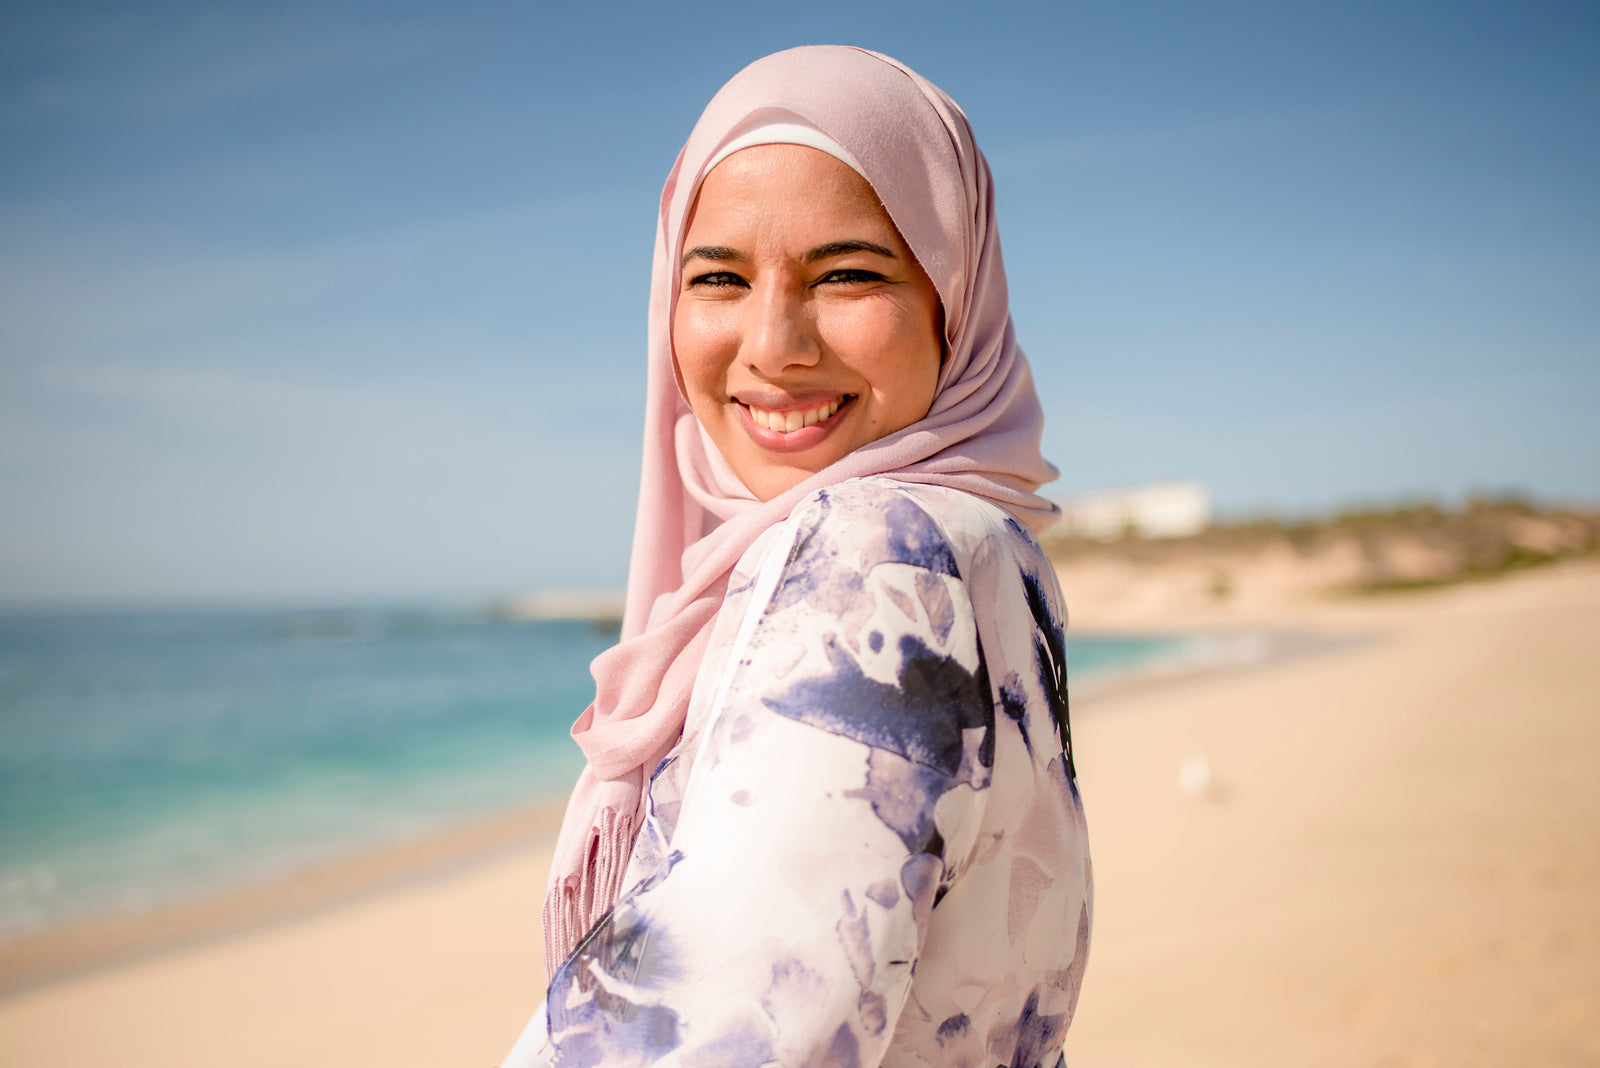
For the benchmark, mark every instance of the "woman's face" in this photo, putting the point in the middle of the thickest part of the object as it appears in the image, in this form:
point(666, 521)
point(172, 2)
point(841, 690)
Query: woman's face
point(805, 328)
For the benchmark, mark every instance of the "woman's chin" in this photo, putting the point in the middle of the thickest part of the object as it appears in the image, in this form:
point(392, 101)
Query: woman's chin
point(768, 478)
point(772, 462)
point(772, 474)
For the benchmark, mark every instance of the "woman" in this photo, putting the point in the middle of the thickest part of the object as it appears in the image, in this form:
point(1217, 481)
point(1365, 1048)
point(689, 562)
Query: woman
point(830, 814)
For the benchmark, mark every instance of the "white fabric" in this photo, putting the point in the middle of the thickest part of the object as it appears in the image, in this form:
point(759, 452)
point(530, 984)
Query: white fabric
point(868, 848)
point(787, 133)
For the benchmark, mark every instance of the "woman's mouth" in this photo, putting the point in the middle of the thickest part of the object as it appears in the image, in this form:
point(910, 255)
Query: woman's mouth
point(792, 429)
point(790, 421)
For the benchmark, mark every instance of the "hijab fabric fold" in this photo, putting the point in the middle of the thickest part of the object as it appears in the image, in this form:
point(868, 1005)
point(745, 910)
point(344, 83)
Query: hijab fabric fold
point(695, 518)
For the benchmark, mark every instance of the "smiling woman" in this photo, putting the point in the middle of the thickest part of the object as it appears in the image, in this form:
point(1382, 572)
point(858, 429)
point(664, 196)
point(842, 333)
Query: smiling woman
point(805, 327)
point(830, 814)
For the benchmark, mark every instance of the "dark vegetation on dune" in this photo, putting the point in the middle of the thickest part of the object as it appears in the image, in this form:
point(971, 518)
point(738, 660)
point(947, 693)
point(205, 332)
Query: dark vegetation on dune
point(1365, 550)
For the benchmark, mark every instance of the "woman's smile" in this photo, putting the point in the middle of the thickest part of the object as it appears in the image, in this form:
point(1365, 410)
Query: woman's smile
point(804, 327)
point(789, 424)
point(790, 420)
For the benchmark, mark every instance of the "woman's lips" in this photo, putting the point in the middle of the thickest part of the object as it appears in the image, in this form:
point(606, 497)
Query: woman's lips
point(792, 427)
point(794, 418)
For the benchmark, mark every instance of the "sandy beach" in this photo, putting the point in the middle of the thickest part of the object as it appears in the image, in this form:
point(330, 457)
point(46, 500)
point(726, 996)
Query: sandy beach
point(1383, 853)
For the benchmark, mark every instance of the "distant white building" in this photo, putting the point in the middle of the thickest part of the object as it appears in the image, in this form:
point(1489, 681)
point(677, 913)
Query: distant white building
point(1159, 510)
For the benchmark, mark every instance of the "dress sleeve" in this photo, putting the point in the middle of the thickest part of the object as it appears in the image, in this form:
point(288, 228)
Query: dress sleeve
point(833, 800)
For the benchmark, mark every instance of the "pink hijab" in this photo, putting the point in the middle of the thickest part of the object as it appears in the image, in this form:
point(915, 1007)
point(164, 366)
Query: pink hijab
point(914, 146)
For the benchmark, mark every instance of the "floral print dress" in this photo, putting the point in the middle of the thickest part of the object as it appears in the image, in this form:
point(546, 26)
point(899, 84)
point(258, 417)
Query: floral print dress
point(868, 848)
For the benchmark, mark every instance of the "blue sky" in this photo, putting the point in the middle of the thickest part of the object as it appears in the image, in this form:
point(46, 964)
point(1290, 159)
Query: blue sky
point(343, 301)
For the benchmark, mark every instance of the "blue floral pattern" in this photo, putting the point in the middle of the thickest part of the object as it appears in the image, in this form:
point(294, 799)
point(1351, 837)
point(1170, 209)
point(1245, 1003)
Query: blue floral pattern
point(868, 848)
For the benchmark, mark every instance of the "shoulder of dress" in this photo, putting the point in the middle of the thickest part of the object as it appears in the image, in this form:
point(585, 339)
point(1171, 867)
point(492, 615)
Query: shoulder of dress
point(938, 527)
point(861, 523)
point(985, 546)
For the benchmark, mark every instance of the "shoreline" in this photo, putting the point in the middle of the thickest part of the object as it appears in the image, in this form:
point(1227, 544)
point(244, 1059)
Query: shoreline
point(1232, 649)
point(78, 948)
point(81, 948)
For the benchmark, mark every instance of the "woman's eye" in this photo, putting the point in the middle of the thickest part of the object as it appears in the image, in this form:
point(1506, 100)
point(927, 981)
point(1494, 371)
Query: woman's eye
point(716, 280)
point(848, 275)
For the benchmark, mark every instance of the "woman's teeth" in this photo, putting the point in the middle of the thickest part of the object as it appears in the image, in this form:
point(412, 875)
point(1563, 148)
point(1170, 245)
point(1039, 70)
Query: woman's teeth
point(785, 422)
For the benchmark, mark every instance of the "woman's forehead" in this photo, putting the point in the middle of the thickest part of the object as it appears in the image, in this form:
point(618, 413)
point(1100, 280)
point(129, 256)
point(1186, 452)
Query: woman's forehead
point(769, 178)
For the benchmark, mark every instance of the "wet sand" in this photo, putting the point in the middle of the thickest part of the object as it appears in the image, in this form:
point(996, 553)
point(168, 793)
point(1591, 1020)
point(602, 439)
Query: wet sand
point(1387, 854)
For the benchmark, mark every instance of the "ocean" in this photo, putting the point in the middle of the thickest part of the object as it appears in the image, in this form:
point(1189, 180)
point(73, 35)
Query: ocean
point(152, 757)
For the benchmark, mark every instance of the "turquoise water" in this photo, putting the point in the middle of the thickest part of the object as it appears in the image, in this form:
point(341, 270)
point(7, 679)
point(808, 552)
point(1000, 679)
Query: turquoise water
point(147, 758)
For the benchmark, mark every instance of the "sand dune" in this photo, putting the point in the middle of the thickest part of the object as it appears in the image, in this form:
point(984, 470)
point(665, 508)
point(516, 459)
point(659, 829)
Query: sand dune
point(1386, 854)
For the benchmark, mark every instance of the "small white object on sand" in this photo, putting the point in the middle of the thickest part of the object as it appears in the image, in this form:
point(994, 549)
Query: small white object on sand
point(1194, 776)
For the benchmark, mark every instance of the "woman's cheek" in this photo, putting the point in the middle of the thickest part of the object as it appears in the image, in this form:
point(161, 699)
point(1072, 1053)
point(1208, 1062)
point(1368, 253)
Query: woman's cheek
point(894, 359)
point(863, 331)
point(696, 341)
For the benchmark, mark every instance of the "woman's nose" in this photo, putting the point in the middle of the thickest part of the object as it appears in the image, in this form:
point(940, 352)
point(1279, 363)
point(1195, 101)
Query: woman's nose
point(778, 332)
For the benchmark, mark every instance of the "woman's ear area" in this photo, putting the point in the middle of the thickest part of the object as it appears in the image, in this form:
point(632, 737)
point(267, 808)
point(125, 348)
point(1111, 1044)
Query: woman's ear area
point(944, 340)
point(675, 287)
point(672, 344)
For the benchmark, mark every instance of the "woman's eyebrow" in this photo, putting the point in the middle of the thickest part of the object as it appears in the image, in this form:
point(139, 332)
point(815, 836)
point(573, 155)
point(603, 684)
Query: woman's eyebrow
point(724, 254)
point(720, 253)
point(843, 248)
